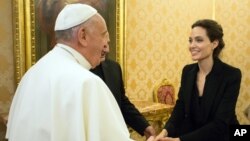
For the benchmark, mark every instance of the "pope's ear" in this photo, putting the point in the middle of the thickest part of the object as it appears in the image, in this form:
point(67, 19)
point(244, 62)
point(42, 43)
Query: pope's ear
point(82, 36)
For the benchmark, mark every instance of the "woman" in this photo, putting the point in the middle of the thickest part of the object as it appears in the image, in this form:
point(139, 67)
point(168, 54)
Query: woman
point(209, 90)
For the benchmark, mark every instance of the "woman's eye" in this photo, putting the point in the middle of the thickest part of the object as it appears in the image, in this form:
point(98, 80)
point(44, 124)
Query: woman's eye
point(199, 40)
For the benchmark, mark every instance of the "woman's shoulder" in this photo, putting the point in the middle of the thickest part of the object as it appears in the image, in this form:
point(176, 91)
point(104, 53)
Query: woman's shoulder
point(229, 68)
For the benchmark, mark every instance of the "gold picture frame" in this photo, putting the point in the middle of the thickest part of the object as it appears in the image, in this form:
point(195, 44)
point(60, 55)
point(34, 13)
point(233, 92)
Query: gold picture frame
point(25, 35)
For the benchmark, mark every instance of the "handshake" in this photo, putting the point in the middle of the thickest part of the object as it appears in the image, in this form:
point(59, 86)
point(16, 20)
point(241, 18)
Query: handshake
point(161, 137)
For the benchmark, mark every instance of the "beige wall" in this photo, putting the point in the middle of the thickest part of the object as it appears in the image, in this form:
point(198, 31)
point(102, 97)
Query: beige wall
point(7, 83)
point(235, 17)
point(157, 42)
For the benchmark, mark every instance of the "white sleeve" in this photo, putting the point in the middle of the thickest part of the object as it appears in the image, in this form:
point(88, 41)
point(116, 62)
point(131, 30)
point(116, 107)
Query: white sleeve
point(94, 115)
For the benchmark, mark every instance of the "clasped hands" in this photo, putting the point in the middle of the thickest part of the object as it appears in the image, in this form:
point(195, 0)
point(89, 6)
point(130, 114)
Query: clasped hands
point(162, 137)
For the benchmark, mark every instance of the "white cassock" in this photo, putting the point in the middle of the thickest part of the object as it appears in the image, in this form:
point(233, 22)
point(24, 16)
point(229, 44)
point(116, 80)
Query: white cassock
point(59, 99)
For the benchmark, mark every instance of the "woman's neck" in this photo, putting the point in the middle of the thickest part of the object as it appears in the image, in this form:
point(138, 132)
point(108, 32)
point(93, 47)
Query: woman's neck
point(205, 66)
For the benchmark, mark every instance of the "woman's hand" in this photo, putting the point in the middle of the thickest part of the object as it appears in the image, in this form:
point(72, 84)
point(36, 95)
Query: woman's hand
point(151, 138)
point(163, 134)
point(168, 139)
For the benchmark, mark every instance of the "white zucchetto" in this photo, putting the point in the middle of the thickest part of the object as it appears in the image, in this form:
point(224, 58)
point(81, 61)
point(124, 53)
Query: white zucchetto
point(72, 15)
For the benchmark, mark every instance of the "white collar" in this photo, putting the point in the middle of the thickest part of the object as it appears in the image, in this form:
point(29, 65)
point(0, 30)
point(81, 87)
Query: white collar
point(79, 58)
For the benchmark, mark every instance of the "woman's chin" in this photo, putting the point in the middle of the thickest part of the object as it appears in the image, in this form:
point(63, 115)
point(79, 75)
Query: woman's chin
point(195, 58)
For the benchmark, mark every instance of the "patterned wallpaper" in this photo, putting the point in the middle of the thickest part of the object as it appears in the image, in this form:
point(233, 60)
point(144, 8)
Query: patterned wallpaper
point(235, 18)
point(157, 42)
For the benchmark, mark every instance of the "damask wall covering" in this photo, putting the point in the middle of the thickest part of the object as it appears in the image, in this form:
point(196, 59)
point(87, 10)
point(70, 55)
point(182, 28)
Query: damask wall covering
point(7, 83)
point(235, 18)
point(157, 34)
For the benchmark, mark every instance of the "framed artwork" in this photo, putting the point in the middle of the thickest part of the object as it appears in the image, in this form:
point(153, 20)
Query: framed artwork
point(33, 24)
